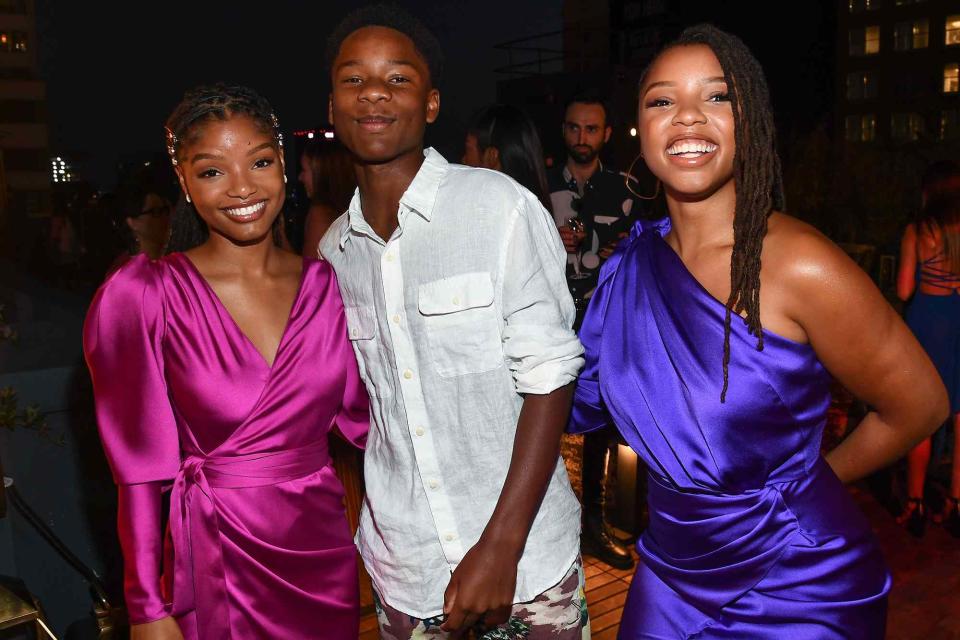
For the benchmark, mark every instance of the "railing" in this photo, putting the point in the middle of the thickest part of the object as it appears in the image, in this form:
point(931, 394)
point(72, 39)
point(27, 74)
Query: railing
point(550, 52)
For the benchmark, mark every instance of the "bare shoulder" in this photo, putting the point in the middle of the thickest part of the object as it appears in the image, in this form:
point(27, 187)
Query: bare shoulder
point(798, 255)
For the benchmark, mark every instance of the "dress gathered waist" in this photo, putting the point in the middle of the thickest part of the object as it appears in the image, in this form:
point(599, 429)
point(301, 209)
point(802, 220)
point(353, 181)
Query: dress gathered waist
point(714, 547)
point(199, 582)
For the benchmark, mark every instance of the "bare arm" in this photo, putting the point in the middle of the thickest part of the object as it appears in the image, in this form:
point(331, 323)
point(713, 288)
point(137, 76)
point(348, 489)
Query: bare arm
point(907, 273)
point(866, 346)
point(485, 580)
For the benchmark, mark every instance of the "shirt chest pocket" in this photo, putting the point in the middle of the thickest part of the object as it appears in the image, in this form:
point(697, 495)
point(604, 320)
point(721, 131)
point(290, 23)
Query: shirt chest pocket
point(362, 331)
point(461, 324)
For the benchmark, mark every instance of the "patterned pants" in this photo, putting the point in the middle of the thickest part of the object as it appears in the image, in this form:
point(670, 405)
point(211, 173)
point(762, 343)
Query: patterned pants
point(559, 613)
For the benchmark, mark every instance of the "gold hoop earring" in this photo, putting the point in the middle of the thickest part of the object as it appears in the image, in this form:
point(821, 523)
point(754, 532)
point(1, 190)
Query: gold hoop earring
point(629, 175)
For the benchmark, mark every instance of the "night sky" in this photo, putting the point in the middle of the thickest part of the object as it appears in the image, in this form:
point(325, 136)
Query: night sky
point(115, 72)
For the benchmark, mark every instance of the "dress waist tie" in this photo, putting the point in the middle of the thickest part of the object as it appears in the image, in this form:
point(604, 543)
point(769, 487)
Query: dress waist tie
point(199, 582)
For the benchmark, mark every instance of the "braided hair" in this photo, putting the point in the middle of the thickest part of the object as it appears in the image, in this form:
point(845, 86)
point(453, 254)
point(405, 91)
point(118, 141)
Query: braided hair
point(757, 175)
point(200, 105)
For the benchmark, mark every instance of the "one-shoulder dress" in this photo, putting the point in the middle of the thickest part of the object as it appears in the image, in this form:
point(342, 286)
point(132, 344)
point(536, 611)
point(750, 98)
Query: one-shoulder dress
point(751, 534)
point(258, 545)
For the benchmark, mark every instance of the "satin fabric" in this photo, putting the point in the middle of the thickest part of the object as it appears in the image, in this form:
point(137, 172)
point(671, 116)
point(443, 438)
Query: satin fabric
point(751, 534)
point(258, 544)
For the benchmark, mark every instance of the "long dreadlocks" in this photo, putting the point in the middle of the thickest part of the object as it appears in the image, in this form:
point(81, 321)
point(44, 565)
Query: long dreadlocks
point(757, 175)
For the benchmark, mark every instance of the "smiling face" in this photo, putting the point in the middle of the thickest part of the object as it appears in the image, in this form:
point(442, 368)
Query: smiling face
point(233, 171)
point(686, 123)
point(382, 97)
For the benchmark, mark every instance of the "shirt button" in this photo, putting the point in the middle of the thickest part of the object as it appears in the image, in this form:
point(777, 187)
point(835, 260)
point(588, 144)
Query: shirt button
point(449, 537)
point(396, 318)
point(408, 374)
point(354, 333)
point(389, 257)
point(434, 484)
point(456, 300)
point(419, 431)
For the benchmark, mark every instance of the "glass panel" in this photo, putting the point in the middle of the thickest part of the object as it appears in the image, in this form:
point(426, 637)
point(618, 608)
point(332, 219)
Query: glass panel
point(953, 30)
point(872, 40)
point(868, 127)
point(871, 86)
point(921, 34)
point(949, 124)
point(951, 78)
point(857, 41)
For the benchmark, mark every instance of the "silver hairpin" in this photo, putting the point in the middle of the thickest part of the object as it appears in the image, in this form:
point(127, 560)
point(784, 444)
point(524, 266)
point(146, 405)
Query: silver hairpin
point(172, 145)
point(276, 128)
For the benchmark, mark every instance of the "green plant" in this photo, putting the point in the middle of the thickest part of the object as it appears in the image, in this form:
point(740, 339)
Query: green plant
point(12, 417)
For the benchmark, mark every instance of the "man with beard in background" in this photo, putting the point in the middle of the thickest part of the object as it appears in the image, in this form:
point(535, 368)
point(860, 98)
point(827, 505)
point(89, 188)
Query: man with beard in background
point(603, 210)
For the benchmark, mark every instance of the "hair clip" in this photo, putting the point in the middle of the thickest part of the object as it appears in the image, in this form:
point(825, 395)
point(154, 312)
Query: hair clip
point(276, 128)
point(172, 145)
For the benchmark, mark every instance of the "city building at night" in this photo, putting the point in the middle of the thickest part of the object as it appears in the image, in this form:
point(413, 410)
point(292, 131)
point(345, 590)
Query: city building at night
point(24, 160)
point(898, 71)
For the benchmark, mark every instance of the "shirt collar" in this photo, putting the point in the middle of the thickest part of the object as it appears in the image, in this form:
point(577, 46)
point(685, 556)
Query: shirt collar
point(570, 180)
point(419, 197)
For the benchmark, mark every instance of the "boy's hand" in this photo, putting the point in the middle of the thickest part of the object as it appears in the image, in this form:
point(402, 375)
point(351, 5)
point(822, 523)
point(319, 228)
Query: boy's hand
point(481, 589)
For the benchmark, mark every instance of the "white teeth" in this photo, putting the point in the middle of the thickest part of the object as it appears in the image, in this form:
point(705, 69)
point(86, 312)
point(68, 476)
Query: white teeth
point(691, 146)
point(246, 212)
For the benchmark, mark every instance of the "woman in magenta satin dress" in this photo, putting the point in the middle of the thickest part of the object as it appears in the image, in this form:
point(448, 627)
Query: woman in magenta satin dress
point(219, 373)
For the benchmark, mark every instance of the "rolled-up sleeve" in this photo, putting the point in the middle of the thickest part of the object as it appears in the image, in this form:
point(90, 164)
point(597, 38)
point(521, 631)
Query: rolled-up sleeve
point(539, 343)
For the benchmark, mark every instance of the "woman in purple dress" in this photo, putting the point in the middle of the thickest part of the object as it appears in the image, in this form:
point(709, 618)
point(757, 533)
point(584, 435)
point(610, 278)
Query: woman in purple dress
point(752, 534)
point(219, 372)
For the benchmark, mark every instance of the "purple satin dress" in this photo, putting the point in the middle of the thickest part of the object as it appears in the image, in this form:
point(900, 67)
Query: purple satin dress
point(258, 544)
point(751, 534)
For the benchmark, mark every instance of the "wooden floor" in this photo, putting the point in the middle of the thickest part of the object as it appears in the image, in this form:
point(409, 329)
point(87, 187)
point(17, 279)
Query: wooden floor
point(606, 593)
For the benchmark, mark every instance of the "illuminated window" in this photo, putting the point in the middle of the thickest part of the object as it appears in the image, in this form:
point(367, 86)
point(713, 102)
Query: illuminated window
point(950, 124)
point(860, 128)
point(6, 41)
point(912, 34)
point(864, 40)
point(906, 127)
point(862, 85)
point(872, 43)
point(951, 78)
point(953, 30)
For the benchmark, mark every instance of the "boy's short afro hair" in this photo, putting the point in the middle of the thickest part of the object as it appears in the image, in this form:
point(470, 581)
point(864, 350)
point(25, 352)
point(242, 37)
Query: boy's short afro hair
point(393, 17)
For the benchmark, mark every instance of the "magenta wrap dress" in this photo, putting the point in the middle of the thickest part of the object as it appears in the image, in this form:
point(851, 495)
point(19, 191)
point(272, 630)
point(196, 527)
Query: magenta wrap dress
point(751, 534)
point(258, 544)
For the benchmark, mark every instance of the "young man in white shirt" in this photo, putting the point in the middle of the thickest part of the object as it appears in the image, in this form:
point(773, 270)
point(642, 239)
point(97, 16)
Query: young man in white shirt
point(453, 285)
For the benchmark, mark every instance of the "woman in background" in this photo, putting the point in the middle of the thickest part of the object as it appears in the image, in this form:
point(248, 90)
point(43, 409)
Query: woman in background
point(930, 275)
point(142, 219)
point(503, 138)
point(327, 175)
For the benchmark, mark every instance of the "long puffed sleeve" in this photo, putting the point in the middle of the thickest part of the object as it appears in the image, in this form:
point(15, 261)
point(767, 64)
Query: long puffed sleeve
point(122, 339)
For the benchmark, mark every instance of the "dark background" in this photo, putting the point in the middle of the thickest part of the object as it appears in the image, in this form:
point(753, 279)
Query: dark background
point(115, 70)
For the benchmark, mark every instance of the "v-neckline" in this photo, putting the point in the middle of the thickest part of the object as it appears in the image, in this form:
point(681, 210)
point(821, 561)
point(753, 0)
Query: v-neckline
point(223, 308)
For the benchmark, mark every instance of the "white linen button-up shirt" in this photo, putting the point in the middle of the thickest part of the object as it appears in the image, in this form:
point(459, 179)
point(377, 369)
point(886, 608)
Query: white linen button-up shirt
point(458, 314)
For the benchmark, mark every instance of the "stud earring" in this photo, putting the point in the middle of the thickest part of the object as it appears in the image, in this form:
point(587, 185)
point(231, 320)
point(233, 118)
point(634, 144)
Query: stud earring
point(284, 178)
point(188, 198)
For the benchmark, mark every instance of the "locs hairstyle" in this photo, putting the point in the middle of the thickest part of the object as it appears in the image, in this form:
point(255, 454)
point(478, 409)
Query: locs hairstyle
point(393, 17)
point(511, 132)
point(201, 105)
point(756, 167)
